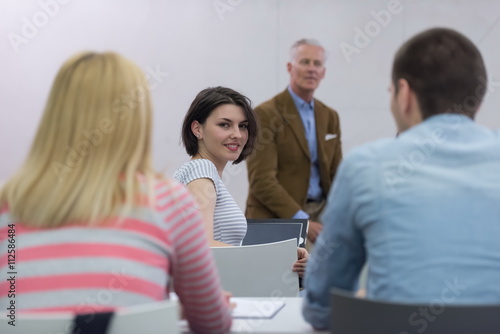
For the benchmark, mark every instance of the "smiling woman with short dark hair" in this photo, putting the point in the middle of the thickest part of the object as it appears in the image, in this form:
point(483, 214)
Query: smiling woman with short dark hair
point(219, 127)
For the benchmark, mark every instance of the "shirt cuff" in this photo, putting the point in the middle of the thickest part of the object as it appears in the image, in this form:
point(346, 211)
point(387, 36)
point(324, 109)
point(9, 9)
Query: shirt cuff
point(317, 316)
point(301, 215)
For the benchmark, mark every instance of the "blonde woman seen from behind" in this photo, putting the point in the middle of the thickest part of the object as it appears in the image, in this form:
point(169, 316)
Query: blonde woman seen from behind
point(89, 211)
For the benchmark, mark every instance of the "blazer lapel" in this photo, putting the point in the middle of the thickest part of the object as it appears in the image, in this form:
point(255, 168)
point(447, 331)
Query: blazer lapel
point(321, 117)
point(292, 118)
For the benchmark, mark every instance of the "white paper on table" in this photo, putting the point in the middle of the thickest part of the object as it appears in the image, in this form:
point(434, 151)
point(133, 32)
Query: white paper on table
point(256, 309)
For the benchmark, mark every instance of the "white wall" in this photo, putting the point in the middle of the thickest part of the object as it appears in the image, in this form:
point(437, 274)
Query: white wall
point(244, 47)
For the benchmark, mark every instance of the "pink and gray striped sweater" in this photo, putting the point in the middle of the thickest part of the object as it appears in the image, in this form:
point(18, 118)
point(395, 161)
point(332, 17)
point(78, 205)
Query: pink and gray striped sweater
point(119, 263)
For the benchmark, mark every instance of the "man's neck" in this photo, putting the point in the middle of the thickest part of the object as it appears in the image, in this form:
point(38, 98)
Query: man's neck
point(304, 95)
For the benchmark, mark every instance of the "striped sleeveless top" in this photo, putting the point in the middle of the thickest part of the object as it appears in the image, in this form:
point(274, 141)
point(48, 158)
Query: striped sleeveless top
point(230, 224)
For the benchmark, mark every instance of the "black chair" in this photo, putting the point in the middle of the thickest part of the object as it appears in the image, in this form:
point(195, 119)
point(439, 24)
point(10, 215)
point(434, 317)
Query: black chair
point(350, 315)
point(263, 231)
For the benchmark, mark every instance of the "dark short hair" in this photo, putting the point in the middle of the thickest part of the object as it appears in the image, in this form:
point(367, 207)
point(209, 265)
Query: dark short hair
point(444, 69)
point(202, 106)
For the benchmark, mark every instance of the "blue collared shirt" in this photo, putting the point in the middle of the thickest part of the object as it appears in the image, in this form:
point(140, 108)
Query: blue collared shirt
point(424, 211)
point(306, 112)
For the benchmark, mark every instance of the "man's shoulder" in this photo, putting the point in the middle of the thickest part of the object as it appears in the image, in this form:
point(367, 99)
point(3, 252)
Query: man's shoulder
point(322, 106)
point(275, 102)
point(373, 151)
point(363, 165)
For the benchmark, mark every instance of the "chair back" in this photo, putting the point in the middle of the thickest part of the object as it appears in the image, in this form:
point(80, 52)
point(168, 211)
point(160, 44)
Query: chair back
point(259, 270)
point(263, 231)
point(354, 315)
point(154, 318)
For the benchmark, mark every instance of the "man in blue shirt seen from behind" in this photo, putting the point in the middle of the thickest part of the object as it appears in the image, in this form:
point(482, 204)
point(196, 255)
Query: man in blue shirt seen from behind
point(422, 209)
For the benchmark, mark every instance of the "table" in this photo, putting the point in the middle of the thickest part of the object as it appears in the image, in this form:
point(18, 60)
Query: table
point(288, 320)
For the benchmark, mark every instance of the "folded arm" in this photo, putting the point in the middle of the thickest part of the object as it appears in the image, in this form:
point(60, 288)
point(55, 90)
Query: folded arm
point(338, 254)
point(193, 269)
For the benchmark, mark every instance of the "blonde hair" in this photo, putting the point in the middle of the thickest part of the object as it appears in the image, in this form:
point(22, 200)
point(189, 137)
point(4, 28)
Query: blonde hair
point(92, 146)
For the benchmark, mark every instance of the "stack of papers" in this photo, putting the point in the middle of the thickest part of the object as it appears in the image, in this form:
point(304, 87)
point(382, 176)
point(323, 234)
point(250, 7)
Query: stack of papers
point(247, 308)
point(256, 309)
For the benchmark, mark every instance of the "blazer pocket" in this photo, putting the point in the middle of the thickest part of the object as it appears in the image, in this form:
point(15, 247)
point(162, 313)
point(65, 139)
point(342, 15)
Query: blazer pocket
point(330, 136)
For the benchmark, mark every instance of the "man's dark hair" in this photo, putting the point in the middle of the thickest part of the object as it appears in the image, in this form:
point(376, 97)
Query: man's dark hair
point(444, 69)
point(204, 103)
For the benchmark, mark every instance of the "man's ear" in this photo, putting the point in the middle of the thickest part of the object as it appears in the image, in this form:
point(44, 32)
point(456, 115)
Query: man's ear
point(196, 128)
point(404, 96)
point(408, 105)
point(288, 67)
point(322, 75)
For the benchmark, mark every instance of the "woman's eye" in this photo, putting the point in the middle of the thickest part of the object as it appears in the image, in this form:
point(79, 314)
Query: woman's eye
point(223, 125)
point(244, 126)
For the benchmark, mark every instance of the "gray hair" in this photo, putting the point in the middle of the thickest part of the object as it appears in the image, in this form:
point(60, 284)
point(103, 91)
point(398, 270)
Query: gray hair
point(305, 41)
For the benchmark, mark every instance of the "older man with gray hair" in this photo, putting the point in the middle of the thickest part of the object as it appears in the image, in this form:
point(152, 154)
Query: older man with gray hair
point(299, 148)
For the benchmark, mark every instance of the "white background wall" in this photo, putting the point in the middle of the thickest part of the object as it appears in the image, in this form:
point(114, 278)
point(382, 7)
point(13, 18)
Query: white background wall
point(242, 44)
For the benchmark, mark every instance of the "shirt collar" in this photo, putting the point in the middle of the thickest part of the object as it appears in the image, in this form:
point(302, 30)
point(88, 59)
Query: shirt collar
point(450, 118)
point(299, 102)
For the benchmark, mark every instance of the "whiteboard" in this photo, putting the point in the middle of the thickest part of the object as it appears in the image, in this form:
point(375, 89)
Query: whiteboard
point(189, 45)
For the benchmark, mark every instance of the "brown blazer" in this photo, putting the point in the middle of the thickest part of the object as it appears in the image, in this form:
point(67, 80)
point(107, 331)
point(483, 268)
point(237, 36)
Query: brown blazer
point(280, 167)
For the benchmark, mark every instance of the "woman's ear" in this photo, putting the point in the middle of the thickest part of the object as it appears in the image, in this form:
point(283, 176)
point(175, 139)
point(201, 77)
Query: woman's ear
point(196, 128)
